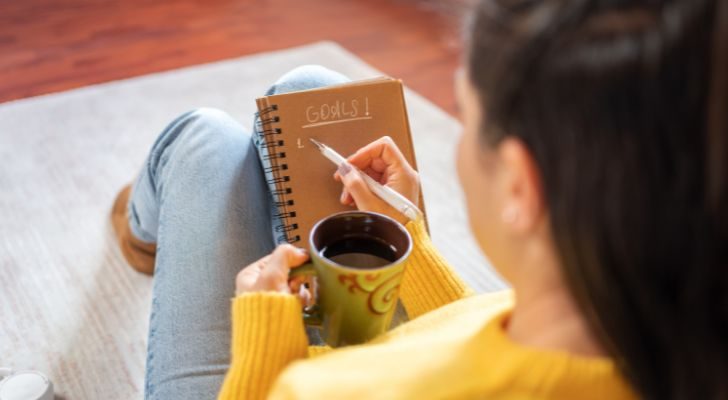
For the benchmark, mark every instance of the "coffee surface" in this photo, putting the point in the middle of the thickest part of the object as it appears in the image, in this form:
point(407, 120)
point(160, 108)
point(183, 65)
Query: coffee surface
point(360, 252)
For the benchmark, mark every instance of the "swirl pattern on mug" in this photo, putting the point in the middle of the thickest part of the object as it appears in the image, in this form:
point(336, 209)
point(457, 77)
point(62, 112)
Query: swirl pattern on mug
point(382, 289)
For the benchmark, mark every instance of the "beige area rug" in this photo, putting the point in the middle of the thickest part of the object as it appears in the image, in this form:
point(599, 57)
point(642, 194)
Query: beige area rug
point(69, 306)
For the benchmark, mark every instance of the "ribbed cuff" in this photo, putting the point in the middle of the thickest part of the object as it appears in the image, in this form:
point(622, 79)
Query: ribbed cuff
point(268, 334)
point(429, 282)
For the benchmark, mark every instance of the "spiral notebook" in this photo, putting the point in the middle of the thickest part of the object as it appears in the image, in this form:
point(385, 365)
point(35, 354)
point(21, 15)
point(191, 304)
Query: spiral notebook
point(345, 117)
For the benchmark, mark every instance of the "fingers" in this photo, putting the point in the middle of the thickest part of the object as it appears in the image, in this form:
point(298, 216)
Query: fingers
point(358, 190)
point(376, 175)
point(299, 288)
point(283, 258)
point(288, 256)
point(384, 162)
point(270, 273)
point(345, 198)
point(379, 155)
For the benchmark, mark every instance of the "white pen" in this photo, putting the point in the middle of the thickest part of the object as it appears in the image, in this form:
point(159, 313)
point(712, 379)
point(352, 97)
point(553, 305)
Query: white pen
point(389, 195)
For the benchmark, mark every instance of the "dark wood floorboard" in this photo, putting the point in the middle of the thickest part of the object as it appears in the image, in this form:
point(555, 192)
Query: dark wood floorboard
point(53, 45)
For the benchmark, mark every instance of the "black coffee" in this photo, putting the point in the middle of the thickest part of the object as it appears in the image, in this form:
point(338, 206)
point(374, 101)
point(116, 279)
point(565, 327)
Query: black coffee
point(360, 252)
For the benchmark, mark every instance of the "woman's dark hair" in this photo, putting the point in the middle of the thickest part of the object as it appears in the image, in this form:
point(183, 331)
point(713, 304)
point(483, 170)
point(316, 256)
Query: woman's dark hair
point(623, 103)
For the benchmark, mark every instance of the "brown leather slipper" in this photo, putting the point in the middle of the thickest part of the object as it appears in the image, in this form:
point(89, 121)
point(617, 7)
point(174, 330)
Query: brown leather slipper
point(138, 254)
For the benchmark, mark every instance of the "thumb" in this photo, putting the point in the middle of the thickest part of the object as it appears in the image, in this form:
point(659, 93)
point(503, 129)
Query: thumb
point(357, 188)
point(288, 256)
point(284, 257)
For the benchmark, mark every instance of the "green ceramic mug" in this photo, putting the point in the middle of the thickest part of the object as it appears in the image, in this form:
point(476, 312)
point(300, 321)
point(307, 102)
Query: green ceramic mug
point(357, 261)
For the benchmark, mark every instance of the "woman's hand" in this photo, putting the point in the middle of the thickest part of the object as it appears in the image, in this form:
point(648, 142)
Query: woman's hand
point(384, 162)
point(270, 273)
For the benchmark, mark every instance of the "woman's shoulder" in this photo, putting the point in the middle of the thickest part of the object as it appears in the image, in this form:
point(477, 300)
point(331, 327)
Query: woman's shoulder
point(458, 351)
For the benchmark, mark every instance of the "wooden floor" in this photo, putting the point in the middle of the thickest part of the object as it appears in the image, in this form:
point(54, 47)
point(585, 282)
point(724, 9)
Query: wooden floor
point(53, 45)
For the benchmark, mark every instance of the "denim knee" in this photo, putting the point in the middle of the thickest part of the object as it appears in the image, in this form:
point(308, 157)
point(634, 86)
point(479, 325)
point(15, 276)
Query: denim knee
point(306, 77)
point(212, 118)
point(209, 126)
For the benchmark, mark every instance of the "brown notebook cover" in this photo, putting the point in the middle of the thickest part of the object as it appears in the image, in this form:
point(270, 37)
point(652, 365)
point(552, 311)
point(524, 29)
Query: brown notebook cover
point(345, 117)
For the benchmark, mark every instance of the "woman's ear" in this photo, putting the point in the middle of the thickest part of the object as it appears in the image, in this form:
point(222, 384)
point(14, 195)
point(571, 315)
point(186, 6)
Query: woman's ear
point(520, 181)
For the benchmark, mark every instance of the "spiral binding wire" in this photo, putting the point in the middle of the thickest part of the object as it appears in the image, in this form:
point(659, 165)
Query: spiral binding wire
point(275, 147)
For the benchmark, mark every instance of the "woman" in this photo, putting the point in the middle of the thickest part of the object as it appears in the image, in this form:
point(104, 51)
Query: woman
point(593, 161)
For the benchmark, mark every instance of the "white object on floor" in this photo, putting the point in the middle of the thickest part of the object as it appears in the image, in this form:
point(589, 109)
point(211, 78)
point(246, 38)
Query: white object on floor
point(69, 305)
point(24, 385)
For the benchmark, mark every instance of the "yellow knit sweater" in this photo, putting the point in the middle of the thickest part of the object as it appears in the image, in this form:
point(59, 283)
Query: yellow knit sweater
point(454, 347)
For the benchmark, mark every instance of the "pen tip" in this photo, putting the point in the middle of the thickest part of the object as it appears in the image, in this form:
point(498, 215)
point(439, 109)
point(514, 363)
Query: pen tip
point(319, 145)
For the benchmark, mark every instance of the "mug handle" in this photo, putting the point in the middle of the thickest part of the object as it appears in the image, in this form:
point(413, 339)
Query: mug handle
point(312, 314)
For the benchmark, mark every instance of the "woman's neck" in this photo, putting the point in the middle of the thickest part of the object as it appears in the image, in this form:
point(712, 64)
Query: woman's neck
point(546, 316)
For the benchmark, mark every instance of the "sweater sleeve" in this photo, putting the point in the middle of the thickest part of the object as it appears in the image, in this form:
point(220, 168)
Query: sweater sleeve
point(267, 335)
point(429, 282)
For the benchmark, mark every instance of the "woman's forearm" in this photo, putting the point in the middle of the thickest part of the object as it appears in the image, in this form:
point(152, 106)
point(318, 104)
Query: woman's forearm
point(267, 335)
point(429, 281)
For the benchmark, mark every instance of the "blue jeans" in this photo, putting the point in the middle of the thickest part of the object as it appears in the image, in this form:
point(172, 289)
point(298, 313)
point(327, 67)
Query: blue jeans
point(203, 199)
